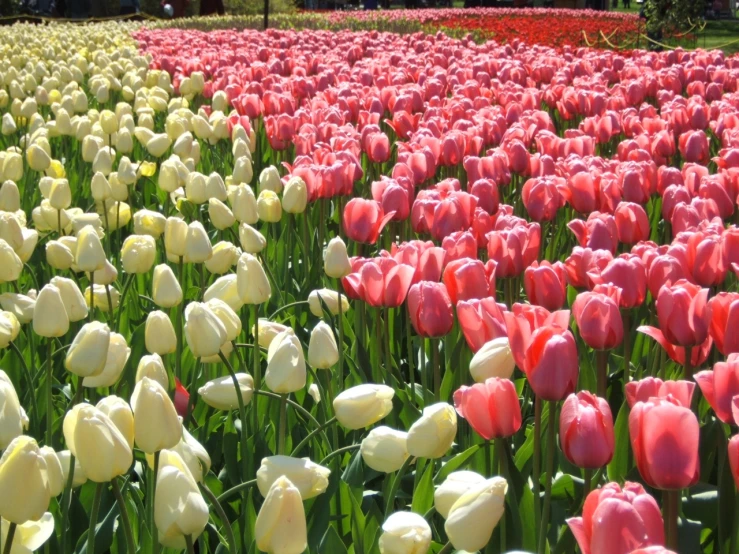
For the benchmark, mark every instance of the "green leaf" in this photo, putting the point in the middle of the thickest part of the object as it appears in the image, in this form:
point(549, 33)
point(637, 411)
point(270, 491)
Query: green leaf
point(354, 473)
point(331, 542)
point(455, 463)
point(423, 494)
point(619, 466)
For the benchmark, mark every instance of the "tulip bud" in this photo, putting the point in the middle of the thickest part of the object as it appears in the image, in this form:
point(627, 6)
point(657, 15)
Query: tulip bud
point(10, 199)
point(454, 486)
point(197, 244)
point(90, 255)
point(309, 478)
point(225, 288)
point(138, 253)
point(103, 297)
point(433, 433)
point(315, 394)
point(147, 222)
point(79, 478)
point(156, 425)
point(196, 458)
point(494, 359)
point(11, 265)
point(225, 256)
point(269, 179)
point(363, 405)
point(9, 328)
point(317, 299)
point(58, 255)
point(204, 331)
point(166, 290)
point(405, 533)
point(159, 334)
point(153, 368)
point(87, 355)
point(175, 236)
point(120, 414)
point(243, 204)
point(60, 195)
point(19, 305)
point(220, 393)
point(384, 449)
point(37, 158)
point(295, 196)
point(8, 126)
point(54, 471)
point(103, 161)
point(24, 484)
point(285, 364)
point(74, 302)
point(336, 262)
point(268, 330)
point(242, 171)
point(252, 241)
point(269, 207)
point(253, 285)
point(473, 517)
point(220, 215)
point(13, 419)
point(280, 526)
point(158, 145)
point(49, 316)
point(322, 349)
point(179, 508)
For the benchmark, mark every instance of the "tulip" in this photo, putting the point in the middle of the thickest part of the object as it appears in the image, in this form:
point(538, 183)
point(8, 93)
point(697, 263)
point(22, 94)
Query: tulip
point(315, 393)
point(166, 289)
point(54, 470)
point(225, 288)
point(586, 430)
point(286, 371)
point(514, 249)
point(193, 454)
point(473, 517)
point(363, 405)
point(243, 204)
point(734, 458)
point(13, 418)
point(384, 449)
point(90, 255)
point(220, 393)
point(79, 478)
point(642, 391)
point(158, 144)
point(152, 367)
point(228, 317)
point(242, 171)
point(252, 282)
point(198, 248)
point(268, 330)
point(454, 486)
point(9, 328)
point(618, 520)
point(545, 284)
point(309, 478)
point(494, 359)
point(175, 236)
point(58, 255)
point(147, 222)
point(720, 386)
point(74, 302)
point(37, 158)
point(20, 305)
point(204, 331)
point(225, 256)
point(405, 533)
point(179, 508)
point(156, 425)
point(336, 262)
point(24, 484)
point(269, 207)
point(430, 309)
point(598, 317)
point(683, 313)
point(138, 253)
point(295, 196)
point(432, 434)
point(364, 220)
point(10, 263)
point(119, 412)
point(251, 240)
point(632, 223)
point(724, 309)
point(93, 438)
point(87, 355)
point(491, 408)
point(102, 297)
point(481, 321)
point(317, 299)
point(467, 279)
point(380, 282)
point(49, 316)
point(159, 334)
point(269, 179)
point(664, 437)
point(322, 350)
point(629, 274)
point(280, 527)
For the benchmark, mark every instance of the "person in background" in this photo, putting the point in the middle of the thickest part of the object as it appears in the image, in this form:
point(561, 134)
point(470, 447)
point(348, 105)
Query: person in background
point(129, 7)
point(209, 7)
point(177, 6)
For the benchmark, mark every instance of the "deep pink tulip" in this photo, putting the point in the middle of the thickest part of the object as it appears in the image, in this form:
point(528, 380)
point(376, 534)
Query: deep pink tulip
point(491, 408)
point(381, 282)
point(632, 223)
point(523, 320)
point(542, 197)
point(514, 249)
point(551, 364)
point(683, 313)
point(598, 317)
point(694, 147)
point(545, 284)
point(581, 261)
point(481, 320)
point(427, 259)
point(706, 259)
point(652, 387)
point(453, 213)
point(364, 220)
point(486, 192)
point(598, 232)
point(720, 386)
point(461, 244)
point(664, 270)
point(628, 273)
point(653, 550)
point(430, 309)
point(394, 197)
point(618, 521)
point(725, 322)
point(377, 147)
point(586, 430)
point(468, 279)
point(665, 440)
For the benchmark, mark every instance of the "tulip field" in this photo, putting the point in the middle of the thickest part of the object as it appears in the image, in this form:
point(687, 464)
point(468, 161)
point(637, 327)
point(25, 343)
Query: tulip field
point(352, 291)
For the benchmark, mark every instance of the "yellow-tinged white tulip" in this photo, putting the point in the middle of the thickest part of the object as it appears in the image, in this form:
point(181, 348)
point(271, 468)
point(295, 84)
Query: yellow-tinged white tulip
point(494, 359)
point(322, 350)
point(37, 158)
point(295, 196)
point(11, 230)
point(215, 187)
point(254, 287)
point(156, 425)
point(384, 449)
point(225, 256)
point(148, 222)
point(74, 302)
point(10, 199)
point(225, 288)
point(269, 179)
point(309, 478)
point(193, 453)
point(197, 244)
point(118, 354)
point(179, 508)
point(79, 478)
point(20, 305)
point(405, 533)
point(13, 167)
point(152, 366)
point(228, 317)
point(242, 171)
point(220, 393)
point(60, 195)
point(269, 207)
point(243, 203)
point(280, 527)
point(9, 329)
point(286, 371)
point(11, 265)
point(473, 517)
point(30, 536)
point(319, 298)
point(363, 405)
point(315, 394)
point(159, 334)
point(30, 240)
point(166, 289)
point(89, 350)
point(13, 418)
point(24, 483)
point(453, 487)
point(252, 241)
point(432, 435)
point(103, 161)
point(158, 145)
point(104, 296)
point(204, 331)
point(119, 214)
point(336, 262)
point(8, 126)
point(54, 470)
point(220, 215)
point(138, 253)
point(49, 315)
point(90, 255)
point(120, 414)
point(268, 330)
point(58, 255)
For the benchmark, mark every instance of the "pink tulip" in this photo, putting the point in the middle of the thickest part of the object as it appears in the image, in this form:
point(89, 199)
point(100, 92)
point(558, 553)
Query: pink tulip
point(586, 430)
point(364, 220)
point(628, 273)
point(720, 386)
point(514, 249)
point(694, 147)
point(684, 313)
point(427, 259)
point(461, 244)
point(481, 320)
point(545, 284)
point(381, 282)
point(491, 408)
point(652, 387)
point(583, 260)
point(598, 232)
point(725, 322)
point(430, 309)
point(598, 317)
point(468, 279)
point(632, 223)
point(542, 198)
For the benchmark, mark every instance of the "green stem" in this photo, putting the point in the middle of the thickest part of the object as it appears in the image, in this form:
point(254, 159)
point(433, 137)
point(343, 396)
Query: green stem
point(448, 548)
point(424, 373)
point(94, 517)
point(192, 390)
point(671, 509)
point(92, 296)
point(437, 370)
point(222, 516)
point(396, 485)
point(29, 380)
point(601, 362)
point(9, 539)
point(587, 483)
point(283, 425)
point(312, 434)
point(537, 463)
point(242, 412)
point(410, 355)
point(627, 345)
point(178, 325)
point(188, 543)
point(125, 520)
point(257, 369)
point(343, 450)
point(551, 438)
point(121, 305)
point(152, 494)
point(235, 490)
point(503, 472)
point(288, 306)
point(340, 325)
point(67, 495)
point(49, 394)
point(735, 533)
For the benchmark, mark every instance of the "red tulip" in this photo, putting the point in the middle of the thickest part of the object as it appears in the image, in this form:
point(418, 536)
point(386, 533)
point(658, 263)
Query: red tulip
point(481, 321)
point(380, 282)
point(426, 258)
point(581, 261)
point(665, 439)
point(514, 249)
point(598, 232)
point(181, 398)
point(725, 322)
point(598, 317)
point(461, 244)
point(468, 279)
point(586, 430)
point(734, 459)
point(545, 284)
point(651, 387)
point(430, 309)
point(683, 313)
point(720, 386)
point(617, 521)
point(628, 273)
point(364, 220)
point(550, 363)
point(491, 408)
point(632, 223)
